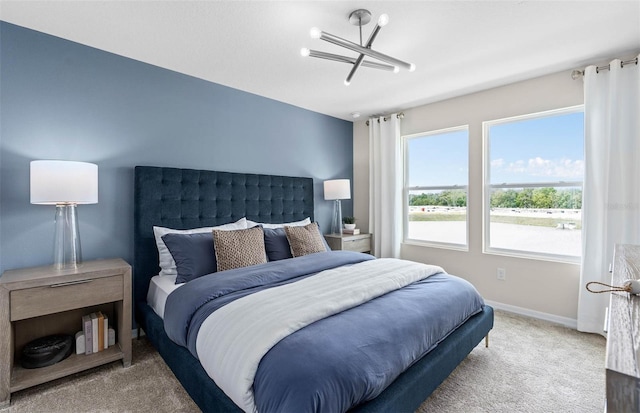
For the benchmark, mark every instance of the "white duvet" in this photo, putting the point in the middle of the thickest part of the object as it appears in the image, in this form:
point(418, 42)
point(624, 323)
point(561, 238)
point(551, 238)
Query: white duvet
point(232, 340)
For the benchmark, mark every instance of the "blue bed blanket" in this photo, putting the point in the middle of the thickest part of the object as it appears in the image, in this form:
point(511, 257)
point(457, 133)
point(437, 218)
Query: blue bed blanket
point(188, 306)
point(341, 361)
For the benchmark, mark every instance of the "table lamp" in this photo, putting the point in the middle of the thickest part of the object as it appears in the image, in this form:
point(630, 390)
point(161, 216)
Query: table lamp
point(335, 190)
point(64, 184)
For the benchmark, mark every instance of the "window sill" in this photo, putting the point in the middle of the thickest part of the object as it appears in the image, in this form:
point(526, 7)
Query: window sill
point(431, 244)
point(533, 256)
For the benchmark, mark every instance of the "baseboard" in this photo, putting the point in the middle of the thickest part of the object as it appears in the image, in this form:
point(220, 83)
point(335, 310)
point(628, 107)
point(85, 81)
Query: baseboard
point(565, 321)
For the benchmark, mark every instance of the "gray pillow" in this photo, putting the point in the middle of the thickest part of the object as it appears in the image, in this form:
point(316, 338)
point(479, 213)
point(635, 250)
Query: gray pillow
point(239, 248)
point(193, 253)
point(276, 244)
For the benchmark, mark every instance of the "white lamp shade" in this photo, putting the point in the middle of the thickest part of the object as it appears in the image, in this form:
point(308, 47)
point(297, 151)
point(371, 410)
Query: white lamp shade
point(337, 189)
point(64, 182)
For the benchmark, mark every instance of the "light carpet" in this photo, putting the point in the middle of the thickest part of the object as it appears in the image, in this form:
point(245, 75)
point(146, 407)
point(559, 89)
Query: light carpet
point(530, 366)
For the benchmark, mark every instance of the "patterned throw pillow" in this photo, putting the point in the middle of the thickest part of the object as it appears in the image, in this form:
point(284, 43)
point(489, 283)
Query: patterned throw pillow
point(239, 248)
point(305, 240)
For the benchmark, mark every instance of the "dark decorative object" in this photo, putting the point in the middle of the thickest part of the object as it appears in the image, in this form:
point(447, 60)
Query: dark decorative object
point(46, 351)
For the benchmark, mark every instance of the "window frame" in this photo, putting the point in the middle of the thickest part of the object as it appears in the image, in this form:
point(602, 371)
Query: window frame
point(488, 187)
point(406, 190)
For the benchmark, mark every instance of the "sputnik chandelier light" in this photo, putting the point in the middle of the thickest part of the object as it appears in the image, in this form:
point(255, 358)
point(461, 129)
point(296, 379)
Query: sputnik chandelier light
point(358, 18)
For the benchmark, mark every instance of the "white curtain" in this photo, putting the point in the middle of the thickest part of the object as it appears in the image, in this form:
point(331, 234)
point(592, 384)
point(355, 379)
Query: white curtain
point(611, 195)
point(385, 185)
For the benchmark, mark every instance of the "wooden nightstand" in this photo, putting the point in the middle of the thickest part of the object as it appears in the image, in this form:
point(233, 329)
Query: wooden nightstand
point(358, 243)
point(36, 302)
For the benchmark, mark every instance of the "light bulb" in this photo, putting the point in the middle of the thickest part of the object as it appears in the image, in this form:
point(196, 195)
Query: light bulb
point(304, 52)
point(396, 69)
point(412, 67)
point(383, 20)
point(315, 33)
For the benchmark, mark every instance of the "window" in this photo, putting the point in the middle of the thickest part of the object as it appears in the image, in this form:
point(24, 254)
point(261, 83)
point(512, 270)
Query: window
point(534, 167)
point(435, 187)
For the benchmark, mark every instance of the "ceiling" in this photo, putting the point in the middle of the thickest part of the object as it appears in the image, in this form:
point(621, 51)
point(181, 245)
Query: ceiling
point(458, 47)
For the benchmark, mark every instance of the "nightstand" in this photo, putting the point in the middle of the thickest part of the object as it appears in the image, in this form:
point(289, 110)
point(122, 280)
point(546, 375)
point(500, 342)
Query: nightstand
point(40, 301)
point(358, 243)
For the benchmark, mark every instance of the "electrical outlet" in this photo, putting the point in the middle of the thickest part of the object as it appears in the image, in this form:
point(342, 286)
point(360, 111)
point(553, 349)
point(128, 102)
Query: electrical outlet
point(501, 274)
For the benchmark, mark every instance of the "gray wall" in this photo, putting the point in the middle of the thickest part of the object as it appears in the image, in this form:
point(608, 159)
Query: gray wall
point(533, 287)
point(63, 100)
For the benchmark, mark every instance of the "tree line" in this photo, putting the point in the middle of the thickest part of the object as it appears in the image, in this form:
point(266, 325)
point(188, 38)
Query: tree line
point(537, 198)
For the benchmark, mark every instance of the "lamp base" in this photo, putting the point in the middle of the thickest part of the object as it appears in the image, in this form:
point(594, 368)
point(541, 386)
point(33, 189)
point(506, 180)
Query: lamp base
point(66, 244)
point(336, 221)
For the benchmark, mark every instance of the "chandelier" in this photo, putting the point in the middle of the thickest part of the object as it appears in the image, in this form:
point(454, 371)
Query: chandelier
point(358, 18)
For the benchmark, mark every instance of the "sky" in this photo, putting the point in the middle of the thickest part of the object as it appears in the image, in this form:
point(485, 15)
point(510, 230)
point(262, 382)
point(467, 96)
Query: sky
point(546, 149)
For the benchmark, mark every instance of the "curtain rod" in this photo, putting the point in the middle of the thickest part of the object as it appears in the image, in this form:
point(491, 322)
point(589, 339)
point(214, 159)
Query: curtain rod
point(577, 74)
point(386, 118)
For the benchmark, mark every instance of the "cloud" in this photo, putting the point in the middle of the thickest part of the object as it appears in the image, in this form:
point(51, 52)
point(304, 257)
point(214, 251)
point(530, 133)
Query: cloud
point(562, 168)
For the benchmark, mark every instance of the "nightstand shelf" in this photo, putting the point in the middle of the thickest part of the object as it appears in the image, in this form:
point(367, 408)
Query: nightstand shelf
point(40, 301)
point(358, 243)
point(22, 378)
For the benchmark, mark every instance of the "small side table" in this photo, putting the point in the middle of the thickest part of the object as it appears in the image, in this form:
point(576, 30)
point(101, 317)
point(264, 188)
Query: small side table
point(358, 243)
point(36, 302)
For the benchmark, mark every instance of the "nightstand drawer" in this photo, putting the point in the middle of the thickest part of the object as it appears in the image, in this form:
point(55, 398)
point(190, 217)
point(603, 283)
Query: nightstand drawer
point(358, 245)
point(347, 242)
point(63, 296)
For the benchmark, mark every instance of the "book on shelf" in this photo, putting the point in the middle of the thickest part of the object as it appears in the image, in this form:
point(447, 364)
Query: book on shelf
point(100, 331)
point(106, 331)
point(94, 331)
point(95, 328)
point(87, 328)
point(354, 231)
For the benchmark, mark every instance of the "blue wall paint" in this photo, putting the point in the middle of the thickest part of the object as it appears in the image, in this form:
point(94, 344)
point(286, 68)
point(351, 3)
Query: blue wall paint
point(63, 100)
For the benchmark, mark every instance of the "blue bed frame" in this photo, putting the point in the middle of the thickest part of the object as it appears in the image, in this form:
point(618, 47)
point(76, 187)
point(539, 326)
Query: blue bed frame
point(187, 198)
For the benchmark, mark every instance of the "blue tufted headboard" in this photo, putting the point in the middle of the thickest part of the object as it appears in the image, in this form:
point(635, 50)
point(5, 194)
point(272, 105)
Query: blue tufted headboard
point(189, 198)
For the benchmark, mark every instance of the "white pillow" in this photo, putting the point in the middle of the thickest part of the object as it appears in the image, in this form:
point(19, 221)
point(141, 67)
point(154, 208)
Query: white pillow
point(302, 223)
point(167, 264)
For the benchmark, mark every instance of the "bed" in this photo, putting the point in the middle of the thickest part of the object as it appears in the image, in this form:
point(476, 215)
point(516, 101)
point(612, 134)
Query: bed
point(187, 198)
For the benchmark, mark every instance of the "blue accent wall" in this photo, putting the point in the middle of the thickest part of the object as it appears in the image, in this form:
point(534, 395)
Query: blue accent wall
point(63, 100)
